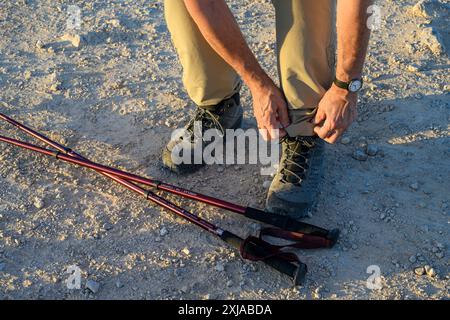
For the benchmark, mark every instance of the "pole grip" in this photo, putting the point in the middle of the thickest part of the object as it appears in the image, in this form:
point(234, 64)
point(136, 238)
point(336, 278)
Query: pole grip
point(289, 224)
point(296, 272)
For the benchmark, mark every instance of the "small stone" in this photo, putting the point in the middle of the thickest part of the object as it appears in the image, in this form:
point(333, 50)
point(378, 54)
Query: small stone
point(93, 286)
point(184, 289)
point(219, 267)
point(39, 44)
point(27, 75)
point(75, 39)
point(412, 259)
point(372, 150)
point(266, 184)
point(163, 232)
point(345, 140)
point(359, 155)
point(38, 203)
point(430, 271)
point(229, 283)
point(420, 271)
point(119, 284)
point(382, 216)
point(186, 251)
point(414, 186)
point(107, 226)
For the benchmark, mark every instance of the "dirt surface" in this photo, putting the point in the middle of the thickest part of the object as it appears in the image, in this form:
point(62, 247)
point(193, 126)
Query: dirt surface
point(113, 93)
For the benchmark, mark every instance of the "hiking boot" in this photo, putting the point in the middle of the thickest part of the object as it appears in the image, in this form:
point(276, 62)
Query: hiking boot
point(225, 115)
point(295, 186)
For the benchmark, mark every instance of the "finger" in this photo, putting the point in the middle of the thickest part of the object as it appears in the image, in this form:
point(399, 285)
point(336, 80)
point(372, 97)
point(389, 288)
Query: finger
point(263, 132)
point(320, 117)
point(333, 138)
point(283, 116)
point(273, 127)
point(324, 130)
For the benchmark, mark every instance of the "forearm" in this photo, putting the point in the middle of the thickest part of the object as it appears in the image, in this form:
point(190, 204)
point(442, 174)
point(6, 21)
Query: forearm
point(353, 38)
point(218, 26)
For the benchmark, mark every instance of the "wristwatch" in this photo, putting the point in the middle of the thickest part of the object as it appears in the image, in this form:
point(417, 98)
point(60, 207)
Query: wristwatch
point(354, 85)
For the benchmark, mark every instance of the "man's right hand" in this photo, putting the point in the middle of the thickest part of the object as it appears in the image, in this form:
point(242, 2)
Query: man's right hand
point(270, 109)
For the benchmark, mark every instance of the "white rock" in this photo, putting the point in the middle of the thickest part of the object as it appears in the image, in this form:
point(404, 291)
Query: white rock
point(266, 184)
point(163, 232)
point(38, 203)
point(345, 140)
point(219, 267)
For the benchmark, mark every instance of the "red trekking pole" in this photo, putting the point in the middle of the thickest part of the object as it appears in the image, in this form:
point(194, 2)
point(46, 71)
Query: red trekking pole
point(252, 248)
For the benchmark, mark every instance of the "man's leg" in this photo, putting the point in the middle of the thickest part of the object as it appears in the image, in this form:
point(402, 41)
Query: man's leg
point(207, 78)
point(306, 49)
point(210, 82)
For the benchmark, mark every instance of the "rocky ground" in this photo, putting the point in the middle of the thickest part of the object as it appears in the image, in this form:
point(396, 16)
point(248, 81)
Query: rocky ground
point(112, 91)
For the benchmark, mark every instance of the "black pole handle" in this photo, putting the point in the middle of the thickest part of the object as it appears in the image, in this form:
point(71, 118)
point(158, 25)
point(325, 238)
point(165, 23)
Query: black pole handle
point(296, 272)
point(289, 224)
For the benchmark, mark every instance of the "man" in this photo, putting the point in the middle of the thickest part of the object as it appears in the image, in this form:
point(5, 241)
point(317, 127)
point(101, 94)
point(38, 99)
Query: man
point(318, 95)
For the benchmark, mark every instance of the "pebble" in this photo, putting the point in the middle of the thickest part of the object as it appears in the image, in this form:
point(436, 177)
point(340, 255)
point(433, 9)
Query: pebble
point(186, 251)
point(40, 44)
point(229, 283)
point(430, 271)
point(38, 203)
point(359, 155)
point(75, 39)
point(414, 186)
point(93, 286)
point(163, 232)
point(219, 267)
point(107, 226)
point(412, 259)
point(345, 140)
point(266, 184)
point(420, 271)
point(119, 284)
point(372, 150)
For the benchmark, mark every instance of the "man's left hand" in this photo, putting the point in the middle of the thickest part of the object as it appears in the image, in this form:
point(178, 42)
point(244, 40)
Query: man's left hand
point(335, 113)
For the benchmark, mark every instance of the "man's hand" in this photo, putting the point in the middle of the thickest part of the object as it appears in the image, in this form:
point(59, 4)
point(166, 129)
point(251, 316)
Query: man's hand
point(336, 111)
point(270, 109)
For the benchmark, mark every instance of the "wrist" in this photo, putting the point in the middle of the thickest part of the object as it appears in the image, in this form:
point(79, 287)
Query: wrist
point(342, 92)
point(347, 75)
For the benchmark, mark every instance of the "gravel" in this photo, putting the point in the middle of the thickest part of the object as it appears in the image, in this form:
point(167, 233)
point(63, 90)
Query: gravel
point(359, 155)
point(93, 286)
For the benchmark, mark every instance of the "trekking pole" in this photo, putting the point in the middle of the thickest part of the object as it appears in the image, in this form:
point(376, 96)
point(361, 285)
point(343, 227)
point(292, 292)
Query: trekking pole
point(249, 248)
point(283, 222)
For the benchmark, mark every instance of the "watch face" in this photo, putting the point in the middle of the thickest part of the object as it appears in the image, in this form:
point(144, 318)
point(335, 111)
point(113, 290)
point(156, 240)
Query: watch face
point(355, 86)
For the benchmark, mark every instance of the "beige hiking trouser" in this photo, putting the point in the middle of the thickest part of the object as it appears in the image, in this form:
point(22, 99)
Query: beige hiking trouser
point(305, 32)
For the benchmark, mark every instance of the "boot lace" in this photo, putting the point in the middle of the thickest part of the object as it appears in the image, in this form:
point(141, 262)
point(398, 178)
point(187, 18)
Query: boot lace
point(296, 161)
